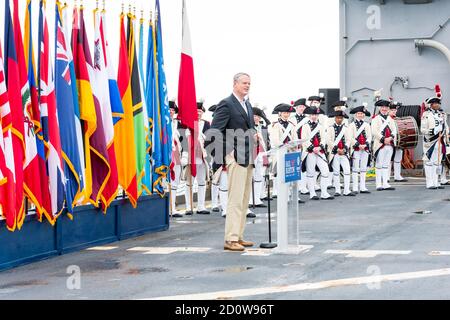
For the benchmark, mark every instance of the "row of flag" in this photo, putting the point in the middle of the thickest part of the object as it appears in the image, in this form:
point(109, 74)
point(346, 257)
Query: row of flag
point(74, 130)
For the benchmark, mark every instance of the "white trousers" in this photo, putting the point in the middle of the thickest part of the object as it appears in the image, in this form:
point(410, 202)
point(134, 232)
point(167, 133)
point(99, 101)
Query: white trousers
point(338, 162)
point(258, 181)
point(397, 165)
point(201, 193)
point(444, 174)
point(223, 192)
point(433, 168)
point(382, 167)
point(359, 170)
point(214, 195)
point(174, 187)
point(312, 161)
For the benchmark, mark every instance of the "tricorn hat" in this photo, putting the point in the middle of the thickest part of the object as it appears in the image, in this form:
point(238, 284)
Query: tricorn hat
point(437, 98)
point(300, 102)
point(200, 105)
point(362, 109)
point(173, 105)
point(310, 110)
point(338, 113)
point(283, 107)
point(382, 103)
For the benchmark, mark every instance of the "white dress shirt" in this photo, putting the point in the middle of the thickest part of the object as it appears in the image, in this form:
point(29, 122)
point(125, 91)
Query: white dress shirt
point(244, 106)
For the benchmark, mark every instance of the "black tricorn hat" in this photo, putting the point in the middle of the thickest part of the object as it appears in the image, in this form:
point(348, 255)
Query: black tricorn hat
point(433, 100)
point(257, 112)
point(339, 104)
point(310, 110)
point(395, 105)
point(283, 107)
point(338, 113)
point(300, 102)
point(260, 113)
point(315, 98)
point(173, 105)
point(382, 103)
point(200, 106)
point(360, 109)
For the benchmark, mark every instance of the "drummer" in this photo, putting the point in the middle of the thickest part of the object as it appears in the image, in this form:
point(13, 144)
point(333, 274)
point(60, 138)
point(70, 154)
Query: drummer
point(398, 152)
point(435, 135)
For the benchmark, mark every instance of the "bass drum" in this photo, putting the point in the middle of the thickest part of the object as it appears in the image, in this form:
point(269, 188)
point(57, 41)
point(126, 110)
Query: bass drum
point(408, 133)
point(447, 157)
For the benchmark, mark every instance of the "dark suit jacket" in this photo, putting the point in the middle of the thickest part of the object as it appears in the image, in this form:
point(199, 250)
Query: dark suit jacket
point(229, 117)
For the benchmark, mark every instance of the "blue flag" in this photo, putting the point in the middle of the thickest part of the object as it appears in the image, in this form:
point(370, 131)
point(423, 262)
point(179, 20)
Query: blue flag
point(161, 116)
point(67, 101)
point(150, 103)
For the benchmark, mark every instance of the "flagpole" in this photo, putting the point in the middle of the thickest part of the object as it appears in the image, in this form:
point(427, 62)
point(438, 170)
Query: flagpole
point(191, 192)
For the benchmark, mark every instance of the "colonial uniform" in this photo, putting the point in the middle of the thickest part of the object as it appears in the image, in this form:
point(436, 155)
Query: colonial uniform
point(435, 137)
point(336, 107)
point(360, 135)
point(315, 102)
point(398, 152)
point(202, 168)
point(281, 132)
point(261, 162)
point(301, 120)
point(338, 145)
point(175, 165)
point(315, 137)
point(323, 119)
point(383, 127)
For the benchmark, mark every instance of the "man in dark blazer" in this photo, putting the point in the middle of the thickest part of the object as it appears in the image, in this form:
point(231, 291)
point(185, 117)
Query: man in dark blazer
point(233, 122)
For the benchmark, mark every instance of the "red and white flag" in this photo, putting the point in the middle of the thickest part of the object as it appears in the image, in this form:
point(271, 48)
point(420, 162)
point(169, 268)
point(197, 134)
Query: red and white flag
point(50, 125)
point(103, 96)
point(187, 100)
point(32, 187)
point(7, 171)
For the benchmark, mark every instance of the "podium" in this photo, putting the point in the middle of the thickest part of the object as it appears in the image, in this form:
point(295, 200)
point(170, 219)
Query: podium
point(288, 169)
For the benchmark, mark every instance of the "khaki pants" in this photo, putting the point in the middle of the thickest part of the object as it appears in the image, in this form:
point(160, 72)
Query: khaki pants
point(239, 188)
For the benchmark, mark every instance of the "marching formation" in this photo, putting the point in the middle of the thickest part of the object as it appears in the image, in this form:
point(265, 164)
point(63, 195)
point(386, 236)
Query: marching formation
point(336, 151)
point(75, 132)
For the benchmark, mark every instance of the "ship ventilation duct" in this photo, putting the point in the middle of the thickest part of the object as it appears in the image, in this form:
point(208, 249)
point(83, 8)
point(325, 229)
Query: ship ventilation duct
point(422, 43)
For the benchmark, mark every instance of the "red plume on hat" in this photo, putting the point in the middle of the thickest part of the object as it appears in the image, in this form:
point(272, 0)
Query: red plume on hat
point(437, 88)
point(292, 102)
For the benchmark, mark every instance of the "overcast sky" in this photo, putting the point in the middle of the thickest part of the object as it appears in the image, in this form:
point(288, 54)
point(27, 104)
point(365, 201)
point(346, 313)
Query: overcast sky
point(289, 47)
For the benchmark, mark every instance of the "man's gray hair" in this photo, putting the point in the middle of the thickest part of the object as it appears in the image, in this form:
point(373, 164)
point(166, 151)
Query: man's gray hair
point(239, 75)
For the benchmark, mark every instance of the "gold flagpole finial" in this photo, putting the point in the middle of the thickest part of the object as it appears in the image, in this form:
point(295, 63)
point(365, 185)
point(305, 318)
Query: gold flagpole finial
point(96, 3)
point(129, 8)
point(104, 5)
point(123, 7)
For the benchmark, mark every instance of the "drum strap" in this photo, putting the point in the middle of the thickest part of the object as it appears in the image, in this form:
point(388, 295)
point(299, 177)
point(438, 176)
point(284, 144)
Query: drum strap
point(432, 139)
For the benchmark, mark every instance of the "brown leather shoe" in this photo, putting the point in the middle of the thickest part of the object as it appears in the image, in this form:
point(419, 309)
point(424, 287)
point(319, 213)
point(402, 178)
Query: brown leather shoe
point(233, 246)
point(246, 243)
